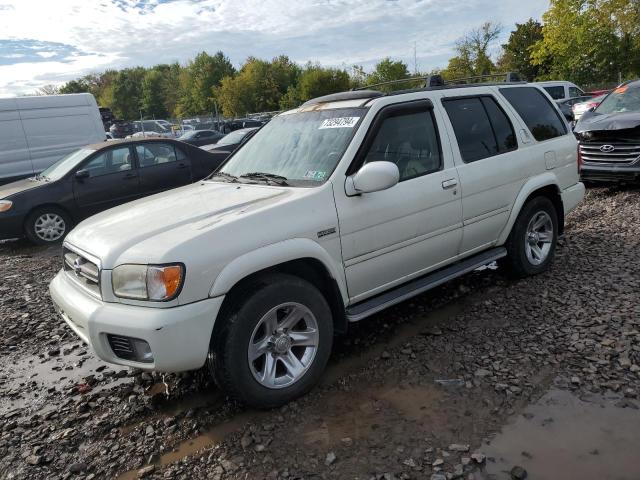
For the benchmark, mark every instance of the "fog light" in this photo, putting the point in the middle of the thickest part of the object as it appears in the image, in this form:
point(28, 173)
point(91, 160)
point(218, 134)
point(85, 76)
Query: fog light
point(128, 348)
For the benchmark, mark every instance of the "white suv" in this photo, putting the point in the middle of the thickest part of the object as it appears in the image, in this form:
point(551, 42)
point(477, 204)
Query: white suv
point(330, 213)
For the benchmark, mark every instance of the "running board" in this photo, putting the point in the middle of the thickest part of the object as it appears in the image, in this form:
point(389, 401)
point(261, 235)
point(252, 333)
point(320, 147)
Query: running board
point(415, 287)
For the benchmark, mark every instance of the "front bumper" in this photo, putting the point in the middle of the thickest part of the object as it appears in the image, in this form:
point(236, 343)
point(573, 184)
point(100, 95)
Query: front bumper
point(11, 225)
point(178, 336)
point(613, 173)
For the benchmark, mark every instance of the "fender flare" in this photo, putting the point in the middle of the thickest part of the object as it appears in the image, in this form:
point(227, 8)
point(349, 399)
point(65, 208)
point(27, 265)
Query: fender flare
point(540, 181)
point(275, 254)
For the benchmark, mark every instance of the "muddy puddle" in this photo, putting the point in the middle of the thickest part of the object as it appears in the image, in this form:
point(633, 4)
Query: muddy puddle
point(562, 436)
point(28, 380)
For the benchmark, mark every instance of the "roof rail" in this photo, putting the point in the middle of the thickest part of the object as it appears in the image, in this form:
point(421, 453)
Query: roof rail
point(438, 81)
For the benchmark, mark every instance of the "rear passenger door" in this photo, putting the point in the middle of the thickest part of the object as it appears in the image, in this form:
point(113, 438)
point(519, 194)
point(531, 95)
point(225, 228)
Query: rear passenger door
point(492, 169)
point(162, 166)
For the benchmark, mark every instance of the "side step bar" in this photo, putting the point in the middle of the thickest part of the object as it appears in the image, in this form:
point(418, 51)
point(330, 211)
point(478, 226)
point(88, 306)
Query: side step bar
point(415, 287)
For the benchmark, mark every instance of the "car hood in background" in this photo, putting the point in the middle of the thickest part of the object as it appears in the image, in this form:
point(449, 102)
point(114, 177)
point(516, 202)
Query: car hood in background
point(591, 121)
point(19, 187)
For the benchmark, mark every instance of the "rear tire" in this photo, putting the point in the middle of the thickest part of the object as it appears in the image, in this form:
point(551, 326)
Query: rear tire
point(532, 242)
point(274, 342)
point(47, 225)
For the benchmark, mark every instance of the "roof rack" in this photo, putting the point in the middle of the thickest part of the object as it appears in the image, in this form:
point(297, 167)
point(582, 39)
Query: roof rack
point(431, 82)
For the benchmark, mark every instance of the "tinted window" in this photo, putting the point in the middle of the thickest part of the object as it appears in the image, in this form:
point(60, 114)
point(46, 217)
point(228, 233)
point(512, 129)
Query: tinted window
point(152, 154)
point(502, 128)
point(557, 93)
point(472, 128)
point(541, 117)
point(410, 141)
point(111, 161)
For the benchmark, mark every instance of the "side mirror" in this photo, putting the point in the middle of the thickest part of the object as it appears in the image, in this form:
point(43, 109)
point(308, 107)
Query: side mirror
point(80, 174)
point(373, 177)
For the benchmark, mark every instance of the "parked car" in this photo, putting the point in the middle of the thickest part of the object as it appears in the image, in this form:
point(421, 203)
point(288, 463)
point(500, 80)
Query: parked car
point(609, 137)
point(94, 178)
point(230, 142)
point(561, 90)
point(567, 105)
point(154, 127)
point(37, 131)
point(579, 108)
point(201, 137)
point(331, 212)
point(121, 129)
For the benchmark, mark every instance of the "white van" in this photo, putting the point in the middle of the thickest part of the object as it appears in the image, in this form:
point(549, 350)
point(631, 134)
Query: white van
point(561, 90)
point(37, 131)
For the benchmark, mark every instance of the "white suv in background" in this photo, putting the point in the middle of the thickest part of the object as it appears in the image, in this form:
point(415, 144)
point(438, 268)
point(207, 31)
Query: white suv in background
point(330, 213)
point(561, 90)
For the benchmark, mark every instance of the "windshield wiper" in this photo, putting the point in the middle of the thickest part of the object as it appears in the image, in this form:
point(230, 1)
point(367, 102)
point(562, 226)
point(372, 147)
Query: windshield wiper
point(268, 177)
point(225, 175)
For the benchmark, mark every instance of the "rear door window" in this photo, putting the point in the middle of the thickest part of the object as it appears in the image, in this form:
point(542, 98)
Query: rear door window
point(152, 154)
point(482, 129)
point(534, 108)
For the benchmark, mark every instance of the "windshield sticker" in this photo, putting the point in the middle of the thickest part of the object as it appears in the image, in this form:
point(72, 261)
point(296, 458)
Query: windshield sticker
point(339, 122)
point(315, 175)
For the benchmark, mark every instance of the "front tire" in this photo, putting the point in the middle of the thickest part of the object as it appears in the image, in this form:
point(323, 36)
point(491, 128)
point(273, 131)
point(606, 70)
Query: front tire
point(47, 225)
point(274, 343)
point(532, 242)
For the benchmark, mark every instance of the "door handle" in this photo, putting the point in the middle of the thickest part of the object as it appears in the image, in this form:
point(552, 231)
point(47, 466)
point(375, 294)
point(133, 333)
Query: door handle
point(447, 184)
point(181, 165)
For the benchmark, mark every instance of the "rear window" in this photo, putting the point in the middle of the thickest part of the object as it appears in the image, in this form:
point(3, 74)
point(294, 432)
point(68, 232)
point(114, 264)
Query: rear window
point(541, 117)
point(557, 93)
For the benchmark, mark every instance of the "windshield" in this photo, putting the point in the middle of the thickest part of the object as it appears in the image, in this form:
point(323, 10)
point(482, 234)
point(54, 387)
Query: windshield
point(65, 164)
point(302, 147)
point(622, 99)
point(233, 137)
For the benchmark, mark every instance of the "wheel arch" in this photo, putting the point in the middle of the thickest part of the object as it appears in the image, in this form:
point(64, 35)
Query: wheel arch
point(42, 206)
point(544, 185)
point(303, 258)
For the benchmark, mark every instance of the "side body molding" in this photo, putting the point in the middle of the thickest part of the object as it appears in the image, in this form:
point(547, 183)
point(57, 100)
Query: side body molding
point(539, 181)
point(275, 254)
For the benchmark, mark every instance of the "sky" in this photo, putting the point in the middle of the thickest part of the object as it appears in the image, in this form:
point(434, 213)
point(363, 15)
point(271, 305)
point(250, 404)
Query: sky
point(52, 41)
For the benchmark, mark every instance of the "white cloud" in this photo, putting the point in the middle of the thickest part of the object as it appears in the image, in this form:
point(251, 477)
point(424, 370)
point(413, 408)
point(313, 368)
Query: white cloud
point(335, 32)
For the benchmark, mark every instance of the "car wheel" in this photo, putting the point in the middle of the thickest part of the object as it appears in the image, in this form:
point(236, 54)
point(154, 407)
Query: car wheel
point(274, 342)
point(47, 226)
point(532, 242)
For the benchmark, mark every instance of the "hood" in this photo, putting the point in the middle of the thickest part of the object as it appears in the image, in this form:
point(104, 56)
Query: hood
point(592, 121)
point(179, 215)
point(19, 187)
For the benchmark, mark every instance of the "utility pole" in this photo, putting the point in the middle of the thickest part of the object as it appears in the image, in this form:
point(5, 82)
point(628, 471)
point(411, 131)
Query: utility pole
point(415, 59)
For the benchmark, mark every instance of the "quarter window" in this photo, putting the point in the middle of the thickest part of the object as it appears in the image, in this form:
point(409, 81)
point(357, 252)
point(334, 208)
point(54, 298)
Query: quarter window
point(541, 117)
point(152, 154)
point(575, 92)
point(111, 161)
point(482, 129)
point(410, 141)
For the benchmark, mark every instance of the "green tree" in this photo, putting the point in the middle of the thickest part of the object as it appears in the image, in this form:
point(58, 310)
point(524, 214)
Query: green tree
point(315, 81)
point(472, 57)
point(199, 79)
point(152, 98)
point(388, 70)
point(75, 86)
point(127, 93)
point(516, 55)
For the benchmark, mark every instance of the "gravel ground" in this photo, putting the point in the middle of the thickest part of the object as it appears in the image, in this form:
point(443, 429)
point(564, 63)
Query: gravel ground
point(418, 391)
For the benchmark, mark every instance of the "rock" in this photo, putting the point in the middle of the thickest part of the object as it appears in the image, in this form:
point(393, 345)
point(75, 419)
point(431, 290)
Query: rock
point(438, 476)
point(34, 459)
point(518, 473)
point(458, 447)
point(481, 373)
point(149, 431)
point(385, 355)
point(437, 462)
point(575, 380)
point(246, 441)
point(143, 472)
point(330, 459)
point(77, 467)
point(410, 462)
point(478, 457)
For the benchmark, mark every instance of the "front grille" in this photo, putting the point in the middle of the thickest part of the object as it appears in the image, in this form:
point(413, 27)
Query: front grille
point(613, 153)
point(122, 347)
point(81, 270)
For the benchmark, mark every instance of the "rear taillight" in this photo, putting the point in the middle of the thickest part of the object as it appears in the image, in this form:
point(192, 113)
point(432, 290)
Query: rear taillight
point(579, 160)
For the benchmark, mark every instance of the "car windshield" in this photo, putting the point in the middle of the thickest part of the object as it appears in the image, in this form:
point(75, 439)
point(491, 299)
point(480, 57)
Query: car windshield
point(622, 99)
point(303, 148)
point(65, 164)
point(233, 137)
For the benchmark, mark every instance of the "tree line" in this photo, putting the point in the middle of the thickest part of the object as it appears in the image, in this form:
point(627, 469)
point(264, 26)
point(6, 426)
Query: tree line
point(589, 42)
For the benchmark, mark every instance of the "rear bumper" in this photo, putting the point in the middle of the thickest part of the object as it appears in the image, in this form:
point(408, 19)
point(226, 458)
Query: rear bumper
point(572, 196)
point(613, 173)
point(178, 336)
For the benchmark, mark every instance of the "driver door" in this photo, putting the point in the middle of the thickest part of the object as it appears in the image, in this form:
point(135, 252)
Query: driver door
point(112, 179)
point(392, 236)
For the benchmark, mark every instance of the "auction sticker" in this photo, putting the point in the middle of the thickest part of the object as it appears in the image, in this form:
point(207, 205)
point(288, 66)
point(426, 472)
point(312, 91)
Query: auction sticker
point(339, 122)
point(315, 175)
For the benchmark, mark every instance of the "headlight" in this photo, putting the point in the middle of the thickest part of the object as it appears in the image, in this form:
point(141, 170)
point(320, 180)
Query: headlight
point(5, 205)
point(147, 282)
